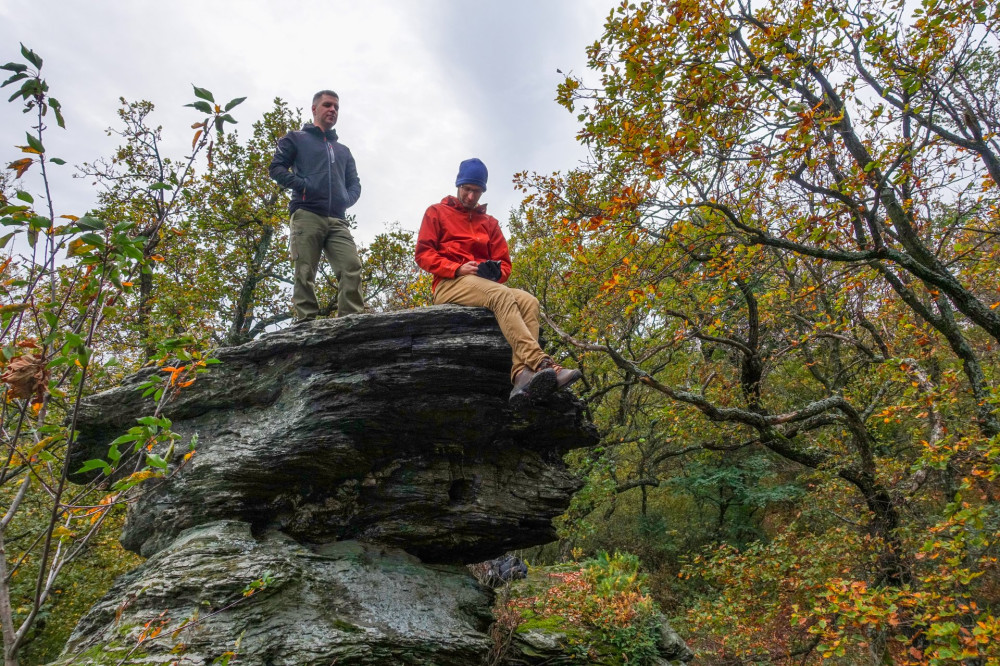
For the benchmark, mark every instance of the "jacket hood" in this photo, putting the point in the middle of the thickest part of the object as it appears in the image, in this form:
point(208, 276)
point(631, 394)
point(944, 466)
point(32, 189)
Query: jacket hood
point(314, 129)
point(453, 202)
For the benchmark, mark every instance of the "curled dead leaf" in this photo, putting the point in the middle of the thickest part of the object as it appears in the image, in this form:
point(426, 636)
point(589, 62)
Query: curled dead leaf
point(25, 376)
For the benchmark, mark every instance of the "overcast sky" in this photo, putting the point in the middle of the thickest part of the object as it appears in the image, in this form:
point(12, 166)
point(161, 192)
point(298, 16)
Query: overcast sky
point(424, 84)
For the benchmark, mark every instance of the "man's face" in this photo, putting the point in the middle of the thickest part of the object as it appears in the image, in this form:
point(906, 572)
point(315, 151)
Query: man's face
point(325, 112)
point(469, 195)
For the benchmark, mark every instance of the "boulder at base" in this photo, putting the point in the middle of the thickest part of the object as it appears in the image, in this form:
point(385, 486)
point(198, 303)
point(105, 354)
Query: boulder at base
point(341, 603)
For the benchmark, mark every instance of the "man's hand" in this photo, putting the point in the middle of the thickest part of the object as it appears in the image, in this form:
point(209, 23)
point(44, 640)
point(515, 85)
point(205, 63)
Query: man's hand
point(468, 268)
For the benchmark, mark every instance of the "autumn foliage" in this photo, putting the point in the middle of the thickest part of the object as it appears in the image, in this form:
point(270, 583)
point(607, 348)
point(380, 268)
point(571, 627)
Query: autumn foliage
point(601, 607)
point(777, 270)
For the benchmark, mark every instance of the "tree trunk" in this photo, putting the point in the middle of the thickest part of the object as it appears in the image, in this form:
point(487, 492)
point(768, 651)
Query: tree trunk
point(6, 611)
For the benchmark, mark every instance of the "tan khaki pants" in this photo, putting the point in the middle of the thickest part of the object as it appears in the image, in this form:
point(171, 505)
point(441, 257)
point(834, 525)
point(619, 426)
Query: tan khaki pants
point(310, 235)
point(516, 312)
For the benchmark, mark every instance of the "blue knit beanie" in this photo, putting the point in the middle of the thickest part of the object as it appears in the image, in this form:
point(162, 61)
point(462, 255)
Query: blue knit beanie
point(472, 172)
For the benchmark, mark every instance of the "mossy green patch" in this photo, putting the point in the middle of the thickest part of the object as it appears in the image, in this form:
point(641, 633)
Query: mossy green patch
point(346, 627)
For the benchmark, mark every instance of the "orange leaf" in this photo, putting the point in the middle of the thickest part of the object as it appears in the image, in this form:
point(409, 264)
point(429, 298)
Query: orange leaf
point(20, 166)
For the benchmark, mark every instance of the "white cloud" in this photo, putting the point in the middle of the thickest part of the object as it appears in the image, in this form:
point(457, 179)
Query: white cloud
point(423, 85)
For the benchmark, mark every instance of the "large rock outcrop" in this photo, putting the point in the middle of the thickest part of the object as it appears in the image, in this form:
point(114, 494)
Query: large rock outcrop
point(352, 463)
point(386, 428)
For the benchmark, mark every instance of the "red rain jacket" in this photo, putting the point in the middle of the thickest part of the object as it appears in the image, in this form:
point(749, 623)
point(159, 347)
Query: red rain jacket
point(450, 235)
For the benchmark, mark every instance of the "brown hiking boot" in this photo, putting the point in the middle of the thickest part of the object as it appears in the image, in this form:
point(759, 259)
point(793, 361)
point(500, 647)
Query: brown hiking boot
point(564, 376)
point(532, 385)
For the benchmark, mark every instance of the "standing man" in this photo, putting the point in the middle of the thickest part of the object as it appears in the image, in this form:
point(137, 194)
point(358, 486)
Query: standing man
point(321, 173)
point(466, 252)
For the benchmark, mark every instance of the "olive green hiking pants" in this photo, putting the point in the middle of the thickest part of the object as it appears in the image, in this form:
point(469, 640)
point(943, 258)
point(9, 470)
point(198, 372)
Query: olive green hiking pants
point(311, 235)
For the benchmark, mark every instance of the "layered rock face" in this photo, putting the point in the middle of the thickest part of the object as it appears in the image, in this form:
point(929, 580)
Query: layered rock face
point(339, 603)
point(352, 464)
point(388, 428)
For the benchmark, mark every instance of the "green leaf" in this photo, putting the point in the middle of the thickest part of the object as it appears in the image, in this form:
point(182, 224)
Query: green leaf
point(24, 196)
point(126, 438)
point(160, 186)
point(73, 340)
point(203, 94)
point(14, 67)
point(132, 252)
point(56, 160)
point(35, 143)
point(94, 464)
point(13, 79)
point(234, 103)
point(93, 239)
point(154, 460)
point(201, 106)
point(57, 362)
point(57, 109)
point(88, 222)
point(227, 118)
point(31, 56)
point(153, 421)
point(6, 239)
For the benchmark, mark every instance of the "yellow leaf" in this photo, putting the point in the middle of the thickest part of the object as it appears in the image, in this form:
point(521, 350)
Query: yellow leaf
point(78, 247)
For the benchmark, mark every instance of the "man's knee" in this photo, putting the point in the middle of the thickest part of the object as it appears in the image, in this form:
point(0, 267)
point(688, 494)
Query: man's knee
point(353, 265)
point(525, 301)
point(304, 270)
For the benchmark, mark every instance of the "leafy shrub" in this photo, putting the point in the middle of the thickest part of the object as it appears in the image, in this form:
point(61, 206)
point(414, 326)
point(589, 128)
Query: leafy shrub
point(601, 607)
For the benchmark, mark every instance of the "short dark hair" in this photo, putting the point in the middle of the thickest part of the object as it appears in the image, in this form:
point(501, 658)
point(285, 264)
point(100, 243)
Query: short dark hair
point(321, 93)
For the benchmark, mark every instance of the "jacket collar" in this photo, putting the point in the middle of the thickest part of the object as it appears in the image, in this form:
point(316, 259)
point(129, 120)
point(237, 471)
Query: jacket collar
point(453, 202)
point(330, 134)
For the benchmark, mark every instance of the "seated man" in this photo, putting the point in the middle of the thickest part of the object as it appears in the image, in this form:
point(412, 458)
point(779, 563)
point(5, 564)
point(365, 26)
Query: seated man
point(466, 252)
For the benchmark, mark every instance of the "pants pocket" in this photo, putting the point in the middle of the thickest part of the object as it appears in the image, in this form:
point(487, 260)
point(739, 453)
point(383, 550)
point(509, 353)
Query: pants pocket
point(294, 239)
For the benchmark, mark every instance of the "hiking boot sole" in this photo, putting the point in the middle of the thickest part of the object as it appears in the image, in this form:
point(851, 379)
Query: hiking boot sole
point(542, 385)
